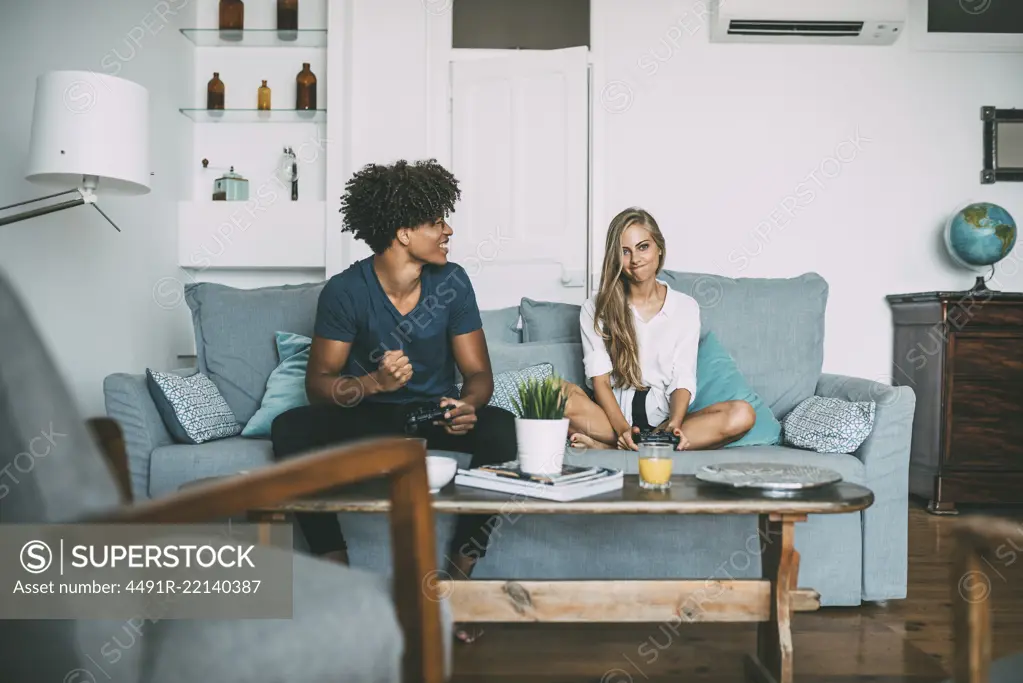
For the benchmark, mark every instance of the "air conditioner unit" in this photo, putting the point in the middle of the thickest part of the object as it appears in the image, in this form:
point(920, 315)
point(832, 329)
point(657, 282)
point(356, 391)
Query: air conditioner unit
point(824, 22)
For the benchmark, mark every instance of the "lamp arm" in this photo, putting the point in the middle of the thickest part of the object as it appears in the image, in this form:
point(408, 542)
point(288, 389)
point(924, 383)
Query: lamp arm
point(39, 199)
point(85, 196)
point(32, 213)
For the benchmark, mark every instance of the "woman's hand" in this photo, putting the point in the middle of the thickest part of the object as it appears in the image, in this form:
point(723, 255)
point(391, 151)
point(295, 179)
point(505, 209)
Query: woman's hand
point(683, 442)
point(625, 441)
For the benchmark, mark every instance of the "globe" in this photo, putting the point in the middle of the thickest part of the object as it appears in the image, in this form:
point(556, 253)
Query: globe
point(980, 235)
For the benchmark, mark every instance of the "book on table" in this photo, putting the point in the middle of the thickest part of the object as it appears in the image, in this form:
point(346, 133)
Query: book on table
point(572, 483)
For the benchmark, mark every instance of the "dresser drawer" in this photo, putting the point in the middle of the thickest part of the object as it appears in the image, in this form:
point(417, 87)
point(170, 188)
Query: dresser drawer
point(969, 313)
point(997, 358)
point(985, 429)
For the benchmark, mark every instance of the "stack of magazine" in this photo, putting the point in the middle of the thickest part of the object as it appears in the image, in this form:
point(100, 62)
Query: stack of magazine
point(574, 482)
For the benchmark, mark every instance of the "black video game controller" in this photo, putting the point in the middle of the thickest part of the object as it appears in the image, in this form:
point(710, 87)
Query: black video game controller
point(426, 414)
point(650, 436)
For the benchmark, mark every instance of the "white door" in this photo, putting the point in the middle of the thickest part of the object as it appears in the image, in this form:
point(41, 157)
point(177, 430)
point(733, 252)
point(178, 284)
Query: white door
point(520, 150)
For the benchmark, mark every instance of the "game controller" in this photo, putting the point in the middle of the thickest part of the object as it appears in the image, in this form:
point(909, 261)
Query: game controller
point(424, 415)
point(650, 436)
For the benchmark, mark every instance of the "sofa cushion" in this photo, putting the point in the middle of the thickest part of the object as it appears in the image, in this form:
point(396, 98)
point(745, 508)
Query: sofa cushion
point(501, 325)
point(235, 333)
point(172, 466)
point(772, 327)
point(718, 379)
point(566, 357)
point(687, 462)
point(549, 321)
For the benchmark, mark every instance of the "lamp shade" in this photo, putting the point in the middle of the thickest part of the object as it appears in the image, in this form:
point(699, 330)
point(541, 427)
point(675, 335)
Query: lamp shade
point(88, 124)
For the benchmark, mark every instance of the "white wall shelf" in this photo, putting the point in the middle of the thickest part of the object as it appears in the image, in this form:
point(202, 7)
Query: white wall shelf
point(256, 37)
point(255, 115)
point(257, 234)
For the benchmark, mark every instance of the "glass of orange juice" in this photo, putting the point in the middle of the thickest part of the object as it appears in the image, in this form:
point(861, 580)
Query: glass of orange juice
point(655, 466)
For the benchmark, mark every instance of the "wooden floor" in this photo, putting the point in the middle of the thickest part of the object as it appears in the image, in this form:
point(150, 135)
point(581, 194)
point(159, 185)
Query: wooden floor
point(905, 640)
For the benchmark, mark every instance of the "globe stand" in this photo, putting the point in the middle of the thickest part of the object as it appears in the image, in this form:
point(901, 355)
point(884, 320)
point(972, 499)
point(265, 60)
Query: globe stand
point(980, 286)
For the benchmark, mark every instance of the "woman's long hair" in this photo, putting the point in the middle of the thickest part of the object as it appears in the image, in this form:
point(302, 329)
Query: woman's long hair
point(612, 304)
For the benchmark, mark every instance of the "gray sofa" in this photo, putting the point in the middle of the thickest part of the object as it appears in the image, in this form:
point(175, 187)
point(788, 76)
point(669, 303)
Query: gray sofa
point(773, 328)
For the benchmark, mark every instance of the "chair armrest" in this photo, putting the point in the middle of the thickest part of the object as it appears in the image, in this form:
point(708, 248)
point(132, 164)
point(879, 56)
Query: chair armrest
point(976, 539)
point(885, 457)
point(402, 461)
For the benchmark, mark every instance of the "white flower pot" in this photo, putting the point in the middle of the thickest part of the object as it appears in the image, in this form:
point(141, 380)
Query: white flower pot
point(541, 445)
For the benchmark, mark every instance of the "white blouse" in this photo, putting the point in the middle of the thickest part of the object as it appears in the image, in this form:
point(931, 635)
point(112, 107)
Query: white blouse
point(668, 345)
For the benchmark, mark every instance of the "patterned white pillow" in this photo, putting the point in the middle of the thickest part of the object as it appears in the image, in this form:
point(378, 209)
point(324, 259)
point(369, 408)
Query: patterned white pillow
point(191, 407)
point(829, 425)
point(506, 384)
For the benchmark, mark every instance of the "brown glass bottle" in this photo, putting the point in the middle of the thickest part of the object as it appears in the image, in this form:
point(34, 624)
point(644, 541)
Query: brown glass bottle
point(215, 92)
point(287, 19)
point(306, 90)
point(232, 19)
point(263, 98)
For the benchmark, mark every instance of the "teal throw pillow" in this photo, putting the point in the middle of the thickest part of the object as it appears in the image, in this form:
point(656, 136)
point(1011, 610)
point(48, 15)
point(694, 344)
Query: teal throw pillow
point(285, 389)
point(718, 379)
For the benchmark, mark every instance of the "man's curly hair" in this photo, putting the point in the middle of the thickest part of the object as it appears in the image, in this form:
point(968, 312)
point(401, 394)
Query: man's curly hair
point(380, 199)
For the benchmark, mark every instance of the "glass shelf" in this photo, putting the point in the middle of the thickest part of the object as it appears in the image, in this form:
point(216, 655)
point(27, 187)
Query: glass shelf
point(256, 37)
point(256, 115)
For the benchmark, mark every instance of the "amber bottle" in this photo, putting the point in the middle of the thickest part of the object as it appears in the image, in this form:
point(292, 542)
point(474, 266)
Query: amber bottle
point(287, 19)
point(306, 90)
point(215, 92)
point(232, 19)
point(263, 99)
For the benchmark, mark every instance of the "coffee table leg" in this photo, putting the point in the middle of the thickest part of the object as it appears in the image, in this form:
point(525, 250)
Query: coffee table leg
point(780, 566)
point(265, 520)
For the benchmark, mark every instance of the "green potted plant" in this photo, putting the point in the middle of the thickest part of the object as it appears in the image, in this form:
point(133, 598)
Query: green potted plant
point(541, 427)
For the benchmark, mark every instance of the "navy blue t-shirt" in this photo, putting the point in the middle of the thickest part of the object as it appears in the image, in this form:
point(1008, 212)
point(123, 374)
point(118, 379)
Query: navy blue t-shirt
point(353, 307)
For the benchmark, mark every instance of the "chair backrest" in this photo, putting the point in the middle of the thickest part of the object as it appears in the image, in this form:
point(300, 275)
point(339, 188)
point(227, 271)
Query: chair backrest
point(50, 467)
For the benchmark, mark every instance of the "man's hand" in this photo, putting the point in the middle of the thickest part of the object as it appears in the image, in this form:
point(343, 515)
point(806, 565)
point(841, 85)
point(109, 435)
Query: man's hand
point(625, 441)
point(460, 419)
point(394, 371)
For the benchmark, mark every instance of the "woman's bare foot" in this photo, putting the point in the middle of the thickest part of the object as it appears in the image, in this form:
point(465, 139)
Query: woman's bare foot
point(580, 440)
point(339, 556)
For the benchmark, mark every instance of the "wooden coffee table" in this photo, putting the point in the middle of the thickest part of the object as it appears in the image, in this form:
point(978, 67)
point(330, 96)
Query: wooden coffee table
point(770, 601)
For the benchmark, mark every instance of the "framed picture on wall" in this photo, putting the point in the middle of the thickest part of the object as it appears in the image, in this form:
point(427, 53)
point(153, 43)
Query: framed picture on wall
point(966, 25)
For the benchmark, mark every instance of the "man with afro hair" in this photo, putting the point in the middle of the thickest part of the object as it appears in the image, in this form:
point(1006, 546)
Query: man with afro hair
point(390, 331)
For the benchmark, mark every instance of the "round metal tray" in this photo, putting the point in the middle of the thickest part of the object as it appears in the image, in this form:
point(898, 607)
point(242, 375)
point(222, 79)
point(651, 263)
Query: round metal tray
point(768, 479)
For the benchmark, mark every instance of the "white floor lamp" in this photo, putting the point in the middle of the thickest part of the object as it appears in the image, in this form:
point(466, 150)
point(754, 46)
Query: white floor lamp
point(89, 132)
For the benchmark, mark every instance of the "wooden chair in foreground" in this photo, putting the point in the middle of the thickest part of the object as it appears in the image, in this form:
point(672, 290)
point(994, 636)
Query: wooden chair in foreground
point(346, 624)
point(974, 574)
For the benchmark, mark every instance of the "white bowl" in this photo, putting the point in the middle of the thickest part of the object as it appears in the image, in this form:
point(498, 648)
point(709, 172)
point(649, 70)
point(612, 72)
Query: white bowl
point(440, 471)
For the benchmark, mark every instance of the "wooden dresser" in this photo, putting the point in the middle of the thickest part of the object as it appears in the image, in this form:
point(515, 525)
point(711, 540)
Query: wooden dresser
point(962, 353)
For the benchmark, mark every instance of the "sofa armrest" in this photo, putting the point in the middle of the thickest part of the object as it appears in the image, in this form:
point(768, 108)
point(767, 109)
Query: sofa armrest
point(885, 456)
point(128, 402)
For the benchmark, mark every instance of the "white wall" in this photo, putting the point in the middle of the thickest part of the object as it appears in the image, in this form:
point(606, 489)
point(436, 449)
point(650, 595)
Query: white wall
point(711, 139)
point(716, 141)
point(106, 301)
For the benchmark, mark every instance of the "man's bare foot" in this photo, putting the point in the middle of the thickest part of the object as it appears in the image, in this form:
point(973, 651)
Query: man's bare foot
point(580, 440)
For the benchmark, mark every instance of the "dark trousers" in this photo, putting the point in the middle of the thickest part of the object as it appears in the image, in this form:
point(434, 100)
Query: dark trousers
point(299, 430)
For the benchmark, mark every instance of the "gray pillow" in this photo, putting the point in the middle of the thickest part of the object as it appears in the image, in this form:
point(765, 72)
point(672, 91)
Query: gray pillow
point(191, 407)
point(506, 384)
point(502, 325)
point(549, 321)
point(829, 425)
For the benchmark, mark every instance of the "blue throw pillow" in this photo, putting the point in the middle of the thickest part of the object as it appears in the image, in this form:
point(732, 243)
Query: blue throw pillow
point(285, 388)
point(718, 379)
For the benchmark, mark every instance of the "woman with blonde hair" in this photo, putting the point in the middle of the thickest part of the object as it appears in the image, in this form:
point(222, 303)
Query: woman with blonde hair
point(640, 341)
